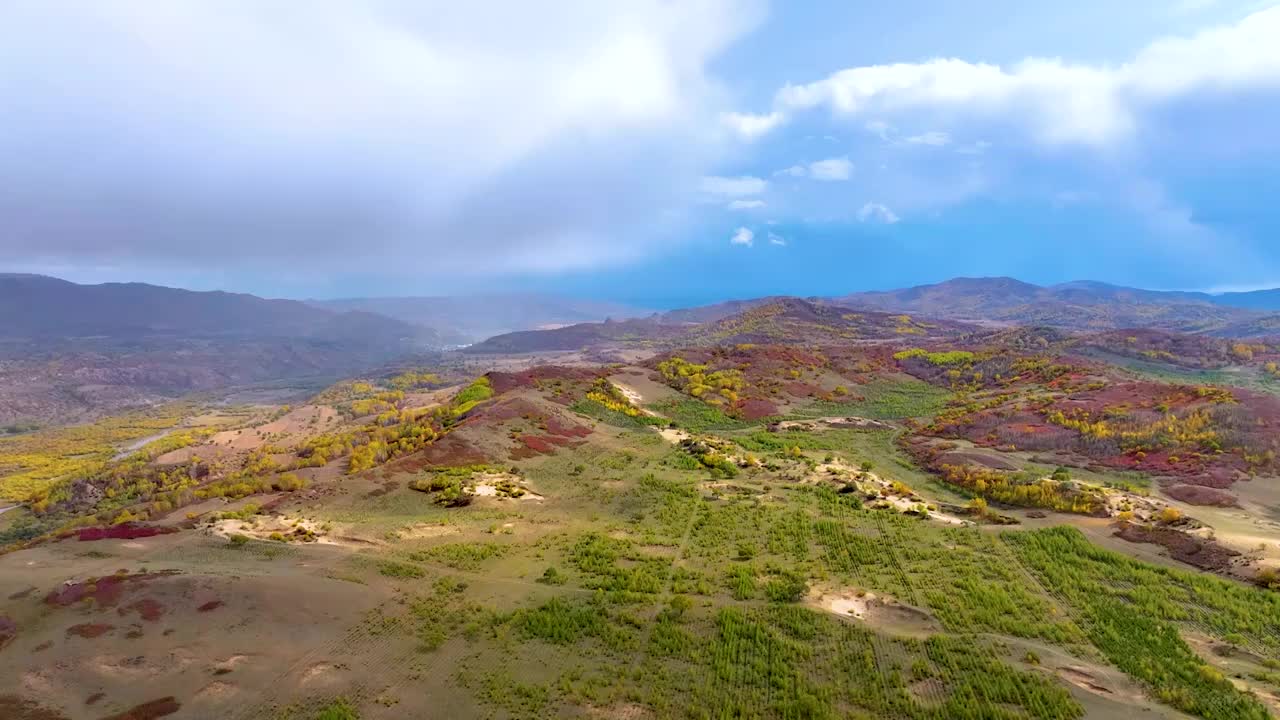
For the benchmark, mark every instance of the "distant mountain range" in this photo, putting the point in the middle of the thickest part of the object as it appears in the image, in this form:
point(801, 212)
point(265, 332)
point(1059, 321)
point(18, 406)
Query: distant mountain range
point(68, 351)
point(966, 302)
point(37, 307)
point(1083, 305)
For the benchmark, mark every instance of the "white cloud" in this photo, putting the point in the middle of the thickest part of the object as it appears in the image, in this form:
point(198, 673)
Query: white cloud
point(831, 169)
point(750, 127)
point(395, 126)
point(733, 186)
point(933, 139)
point(836, 168)
point(743, 236)
point(875, 212)
point(776, 239)
point(1057, 102)
point(745, 205)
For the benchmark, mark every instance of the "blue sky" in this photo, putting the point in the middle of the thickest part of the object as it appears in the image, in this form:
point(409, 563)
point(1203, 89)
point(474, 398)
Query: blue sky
point(656, 153)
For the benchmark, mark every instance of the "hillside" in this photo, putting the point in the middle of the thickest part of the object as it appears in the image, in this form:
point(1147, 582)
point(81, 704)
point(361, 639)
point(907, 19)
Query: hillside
point(39, 308)
point(767, 320)
point(69, 351)
point(918, 526)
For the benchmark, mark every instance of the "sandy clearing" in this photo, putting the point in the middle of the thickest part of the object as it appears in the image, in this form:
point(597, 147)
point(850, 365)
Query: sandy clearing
point(674, 435)
point(262, 527)
point(422, 532)
point(884, 613)
point(634, 397)
point(835, 422)
point(870, 480)
point(844, 605)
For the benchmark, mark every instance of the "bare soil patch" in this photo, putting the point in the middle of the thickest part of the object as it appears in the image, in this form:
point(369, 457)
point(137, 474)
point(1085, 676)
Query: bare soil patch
point(1199, 552)
point(883, 612)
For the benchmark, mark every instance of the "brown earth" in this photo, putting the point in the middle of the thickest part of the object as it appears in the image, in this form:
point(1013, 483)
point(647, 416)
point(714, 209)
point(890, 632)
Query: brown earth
point(1198, 552)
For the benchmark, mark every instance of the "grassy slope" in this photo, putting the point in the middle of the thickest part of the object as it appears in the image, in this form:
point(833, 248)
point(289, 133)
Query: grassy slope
point(626, 532)
point(639, 582)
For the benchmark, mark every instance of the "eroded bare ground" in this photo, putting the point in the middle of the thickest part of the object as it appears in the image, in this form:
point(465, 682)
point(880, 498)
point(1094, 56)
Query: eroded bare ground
point(1105, 692)
point(880, 612)
point(215, 627)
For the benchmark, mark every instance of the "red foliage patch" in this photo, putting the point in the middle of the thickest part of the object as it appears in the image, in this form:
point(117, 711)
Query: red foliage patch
point(124, 531)
point(105, 591)
point(148, 609)
point(540, 445)
point(211, 605)
point(504, 410)
point(756, 409)
point(451, 450)
point(557, 427)
point(799, 389)
point(149, 710)
point(506, 381)
point(89, 630)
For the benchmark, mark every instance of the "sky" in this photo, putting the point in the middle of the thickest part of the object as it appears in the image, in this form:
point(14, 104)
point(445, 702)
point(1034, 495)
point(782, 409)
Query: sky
point(645, 151)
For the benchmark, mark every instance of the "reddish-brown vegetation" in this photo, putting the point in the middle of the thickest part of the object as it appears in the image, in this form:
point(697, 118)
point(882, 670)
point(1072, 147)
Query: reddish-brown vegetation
point(755, 409)
point(13, 707)
point(452, 450)
point(123, 531)
point(89, 630)
point(148, 609)
point(552, 377)
point(1205, 436)
point(105, 591)
point(149, 710)
point(532, 445)
point(557, 426)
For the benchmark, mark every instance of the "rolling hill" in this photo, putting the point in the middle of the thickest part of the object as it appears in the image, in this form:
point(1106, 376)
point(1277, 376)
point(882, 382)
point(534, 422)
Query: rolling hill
point(790, 320)
point(70, 351)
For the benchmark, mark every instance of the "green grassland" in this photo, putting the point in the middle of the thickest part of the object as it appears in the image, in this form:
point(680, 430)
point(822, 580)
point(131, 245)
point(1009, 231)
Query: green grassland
point(1246, 377)
point(886, 399)
point(641, 583)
